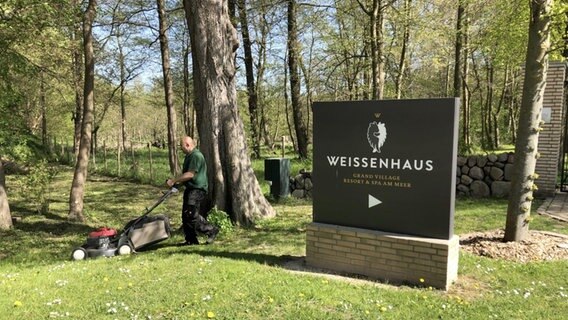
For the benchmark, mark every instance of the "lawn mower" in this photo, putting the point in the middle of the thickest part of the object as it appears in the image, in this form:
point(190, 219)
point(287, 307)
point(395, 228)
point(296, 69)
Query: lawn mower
point(137, 234)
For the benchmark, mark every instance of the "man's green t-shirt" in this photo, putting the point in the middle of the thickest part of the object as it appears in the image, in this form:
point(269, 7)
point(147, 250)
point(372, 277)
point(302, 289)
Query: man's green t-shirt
point(196, 162)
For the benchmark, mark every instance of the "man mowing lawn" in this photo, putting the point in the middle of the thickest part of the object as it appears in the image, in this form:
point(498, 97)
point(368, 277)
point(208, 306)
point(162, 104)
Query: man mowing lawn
point(194, 178)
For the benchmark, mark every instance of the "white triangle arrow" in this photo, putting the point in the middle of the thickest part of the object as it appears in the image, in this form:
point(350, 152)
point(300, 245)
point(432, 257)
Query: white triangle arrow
point(373, 201)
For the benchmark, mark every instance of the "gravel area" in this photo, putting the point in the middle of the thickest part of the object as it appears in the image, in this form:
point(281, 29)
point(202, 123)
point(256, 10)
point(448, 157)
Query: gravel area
point(539, 246)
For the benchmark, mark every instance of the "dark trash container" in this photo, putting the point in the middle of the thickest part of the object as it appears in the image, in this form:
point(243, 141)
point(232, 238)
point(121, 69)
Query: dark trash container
point(277, 170)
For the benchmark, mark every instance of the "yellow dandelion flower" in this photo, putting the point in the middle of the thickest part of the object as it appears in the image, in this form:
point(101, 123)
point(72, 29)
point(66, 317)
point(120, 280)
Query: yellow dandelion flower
point(301, 294)
point(367, 312)
point(130, 284)
point(383, 309)
point(270, 299)
point(105, 279)
point(17, 303)
point(210, 314)
point(421, 280)
point(119, 288)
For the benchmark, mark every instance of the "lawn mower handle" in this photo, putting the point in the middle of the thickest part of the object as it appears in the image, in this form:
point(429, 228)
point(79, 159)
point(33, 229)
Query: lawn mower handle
point(166, 194)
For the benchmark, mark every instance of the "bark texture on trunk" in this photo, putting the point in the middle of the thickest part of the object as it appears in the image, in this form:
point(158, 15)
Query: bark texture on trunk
point(5, 216)
point(293, 65)
point(77, 77)
point(523, 184)
point(458, 49)
point(168, 90)
point(233, 186)
point(80, 175)
point(251, 87)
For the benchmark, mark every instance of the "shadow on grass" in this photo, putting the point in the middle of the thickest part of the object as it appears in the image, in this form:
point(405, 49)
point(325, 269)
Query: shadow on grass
point(18, 211)
point(261, 258)
point(55, 228)
point(30, 243)
point(21, 211)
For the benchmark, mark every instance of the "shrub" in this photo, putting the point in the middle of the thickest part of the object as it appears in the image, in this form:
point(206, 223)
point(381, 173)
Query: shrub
point(36, 185)
point(222, 220)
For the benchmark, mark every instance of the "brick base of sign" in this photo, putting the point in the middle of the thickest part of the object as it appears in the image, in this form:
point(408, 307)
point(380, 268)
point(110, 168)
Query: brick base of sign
point(394, 258)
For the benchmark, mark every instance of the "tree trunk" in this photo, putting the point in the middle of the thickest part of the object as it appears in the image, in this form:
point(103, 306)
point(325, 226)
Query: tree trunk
point(512, 107)
point(293, 56)
point(251, 87)
point(187, 113)
point(233, 185)
point(380, 44)
point(43, 105)
point(458, 49)
point(307, 71)
point(502, 101)
point(286, 111)
point(405, 39)
point(260, 68)
point(5, 216)
point(466, 93)
point(536, 66)
point(168, 89)
point(375, 54)
point(460, 89)
point(489, 104)
point(77, 77)
point(121, 61)
point(482, 103)
point(80, 174)
point(377, 20)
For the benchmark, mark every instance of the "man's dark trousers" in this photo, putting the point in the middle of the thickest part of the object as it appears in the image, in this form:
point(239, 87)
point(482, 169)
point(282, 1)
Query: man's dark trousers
point(192, 221)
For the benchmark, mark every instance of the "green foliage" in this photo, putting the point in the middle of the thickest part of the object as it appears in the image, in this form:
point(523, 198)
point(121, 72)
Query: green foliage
point(558, 32)
point(222, 220)
point(37, 183)
point(18, 144)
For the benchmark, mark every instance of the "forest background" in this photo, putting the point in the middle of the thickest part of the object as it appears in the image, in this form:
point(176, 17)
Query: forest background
point(417, 45)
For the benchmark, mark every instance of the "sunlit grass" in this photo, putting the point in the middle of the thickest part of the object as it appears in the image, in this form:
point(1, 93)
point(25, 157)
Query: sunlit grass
point(244, 275)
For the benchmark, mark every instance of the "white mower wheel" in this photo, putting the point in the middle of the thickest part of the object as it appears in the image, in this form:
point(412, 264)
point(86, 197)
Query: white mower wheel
point(79, 254)
point(124, 249)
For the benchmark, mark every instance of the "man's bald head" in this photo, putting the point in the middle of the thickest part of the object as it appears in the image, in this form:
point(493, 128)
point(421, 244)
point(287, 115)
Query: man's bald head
point(187, 144)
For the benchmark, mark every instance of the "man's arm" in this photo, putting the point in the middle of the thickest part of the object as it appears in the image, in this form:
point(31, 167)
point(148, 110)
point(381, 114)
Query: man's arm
point(180, 179)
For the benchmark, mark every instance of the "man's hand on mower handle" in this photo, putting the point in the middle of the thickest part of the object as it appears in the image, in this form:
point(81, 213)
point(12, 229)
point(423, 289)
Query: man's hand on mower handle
point(174, 188)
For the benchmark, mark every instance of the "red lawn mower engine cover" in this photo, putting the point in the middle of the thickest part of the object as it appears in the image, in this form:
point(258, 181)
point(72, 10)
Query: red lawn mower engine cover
point(103, 232)
point(100, 238)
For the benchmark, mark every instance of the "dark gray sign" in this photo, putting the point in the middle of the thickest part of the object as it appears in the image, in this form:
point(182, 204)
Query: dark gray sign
point(386, 165)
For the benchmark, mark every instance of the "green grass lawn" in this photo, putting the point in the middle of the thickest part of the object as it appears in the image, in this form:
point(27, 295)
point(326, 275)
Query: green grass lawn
point(244, 275)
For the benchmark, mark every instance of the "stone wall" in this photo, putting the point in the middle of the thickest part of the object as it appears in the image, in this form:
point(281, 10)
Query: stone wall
point(484, 176)
point(301, 185)
point(477, 176)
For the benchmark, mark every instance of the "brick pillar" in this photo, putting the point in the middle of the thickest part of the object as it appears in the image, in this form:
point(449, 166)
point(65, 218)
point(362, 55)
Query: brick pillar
point(394, 258)
point(550, 139)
